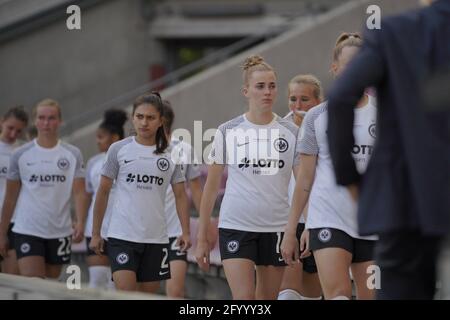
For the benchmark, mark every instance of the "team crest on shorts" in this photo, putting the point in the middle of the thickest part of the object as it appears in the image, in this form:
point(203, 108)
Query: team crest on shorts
point(163, 164)
point(281, 145)
point(63, 163)
point(233, 246)
point(325, 235)
point(122, 258)
point(25, 247)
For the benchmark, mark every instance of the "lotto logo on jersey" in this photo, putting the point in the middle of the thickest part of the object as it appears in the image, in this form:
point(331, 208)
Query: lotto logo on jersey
point(144, 179)
point(362, 149)
point(261, 163)
point(47, 178)
point(262, 166)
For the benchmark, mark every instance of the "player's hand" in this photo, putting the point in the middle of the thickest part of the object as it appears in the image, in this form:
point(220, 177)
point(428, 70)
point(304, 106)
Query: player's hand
point(4, 245)
point(78, 230)
point(96, 244)
point(289, 248)
point(202, 254)
point(304, 244)
point(184, 242)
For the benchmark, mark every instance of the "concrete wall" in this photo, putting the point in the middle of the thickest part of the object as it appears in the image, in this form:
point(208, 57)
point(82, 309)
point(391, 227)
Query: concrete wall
point(214, 96)
point(80, 68)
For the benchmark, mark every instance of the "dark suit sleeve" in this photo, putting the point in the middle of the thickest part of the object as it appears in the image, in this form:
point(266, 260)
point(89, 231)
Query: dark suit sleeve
point(366, 69)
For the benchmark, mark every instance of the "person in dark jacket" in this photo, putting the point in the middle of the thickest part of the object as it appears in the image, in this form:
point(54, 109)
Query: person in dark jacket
point(404, 196)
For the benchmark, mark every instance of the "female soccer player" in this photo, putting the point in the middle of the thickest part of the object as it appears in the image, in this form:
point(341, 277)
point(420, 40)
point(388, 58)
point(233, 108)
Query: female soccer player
point(12, 124)
point(109, 131)
point(142, 168)
point(331, 227)
point(41, 178)
point(182, 153)
point(300, 281)
point(259, 149)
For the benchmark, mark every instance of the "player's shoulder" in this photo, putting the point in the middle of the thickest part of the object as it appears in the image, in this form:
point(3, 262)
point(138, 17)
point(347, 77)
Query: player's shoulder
point(316, 112)
point(23, 148)
point(231, 124)
point(288, 125)
point(71, 148)
point(116, 146)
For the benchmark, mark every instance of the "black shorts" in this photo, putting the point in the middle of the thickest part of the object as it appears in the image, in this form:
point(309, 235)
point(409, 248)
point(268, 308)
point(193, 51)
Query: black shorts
point(263, 248)
point(55, 251)
point(309, 264)
point(150, 261)
point(10, 239)
point(90, 252)
point(174, 252)
point(361, 250)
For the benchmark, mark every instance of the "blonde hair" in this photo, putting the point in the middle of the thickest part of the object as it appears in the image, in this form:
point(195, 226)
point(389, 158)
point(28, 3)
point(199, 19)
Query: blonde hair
point(308, 79)
point(254, 63)
point(346, 39)
point(48, 103)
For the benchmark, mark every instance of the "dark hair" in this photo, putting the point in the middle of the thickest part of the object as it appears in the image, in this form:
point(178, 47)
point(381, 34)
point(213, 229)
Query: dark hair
point(169, 116)
point(154, 98)
point(17, 112)
point(113, 122)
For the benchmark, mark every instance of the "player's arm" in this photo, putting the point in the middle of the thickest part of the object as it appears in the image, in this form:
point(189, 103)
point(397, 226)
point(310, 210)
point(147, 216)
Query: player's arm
point(100, 205)
point(303, 185)
point(209, 197)
point(81, 200)
point(195, 185)
point(182, 205)
point(9, 204)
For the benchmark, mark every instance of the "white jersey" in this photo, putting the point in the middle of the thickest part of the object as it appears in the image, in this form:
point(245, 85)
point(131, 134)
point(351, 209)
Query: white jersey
point(191, 171)
point(93, 175)
point(46, 175)
point(291, 187)
point(260, 159)
point(331, 205)
point(6, 151)
point(142, 178)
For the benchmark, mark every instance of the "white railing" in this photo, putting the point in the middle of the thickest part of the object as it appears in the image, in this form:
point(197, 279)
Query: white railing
point(21, 288)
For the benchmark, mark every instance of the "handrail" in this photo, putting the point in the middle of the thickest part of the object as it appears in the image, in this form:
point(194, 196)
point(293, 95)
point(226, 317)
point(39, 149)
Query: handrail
point(126, 99)
point(39, 18)
point(14, 287)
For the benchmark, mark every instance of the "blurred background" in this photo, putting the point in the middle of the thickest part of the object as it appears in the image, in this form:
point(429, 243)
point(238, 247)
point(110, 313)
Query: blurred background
point(191, 50)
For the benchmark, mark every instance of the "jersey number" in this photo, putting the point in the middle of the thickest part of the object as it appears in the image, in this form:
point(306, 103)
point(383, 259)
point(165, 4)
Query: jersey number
point(164, 264)
point(278, 245)
point(64, 246)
